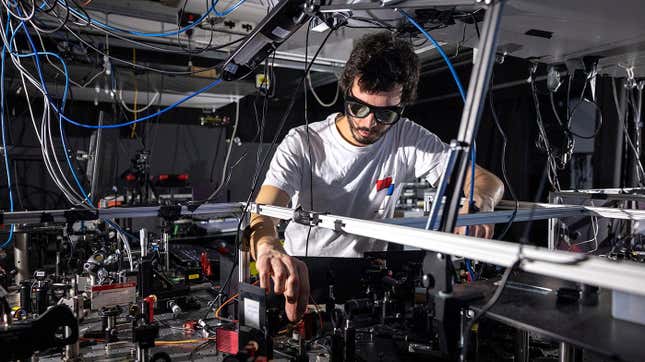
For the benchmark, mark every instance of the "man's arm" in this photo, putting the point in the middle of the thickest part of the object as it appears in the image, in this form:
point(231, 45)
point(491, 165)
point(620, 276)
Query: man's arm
point(488, 192)
point(290, 275)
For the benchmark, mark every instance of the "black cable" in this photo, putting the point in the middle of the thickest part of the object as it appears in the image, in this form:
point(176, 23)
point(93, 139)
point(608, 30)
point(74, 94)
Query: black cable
point(187, 49)
point(219, 141)
point(567, 127)
point(62, 24)
point(491, 302)
point(311, 161)
point(137, 65)
point(283, 121)
point(553, 163)
point(504, 172)
point(86, 21)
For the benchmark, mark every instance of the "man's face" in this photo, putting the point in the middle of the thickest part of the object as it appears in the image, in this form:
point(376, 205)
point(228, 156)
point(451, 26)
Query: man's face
point(366, 130)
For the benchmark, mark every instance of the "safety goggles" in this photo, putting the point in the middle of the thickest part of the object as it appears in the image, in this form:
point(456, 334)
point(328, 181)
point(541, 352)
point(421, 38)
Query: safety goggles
point(384, 115)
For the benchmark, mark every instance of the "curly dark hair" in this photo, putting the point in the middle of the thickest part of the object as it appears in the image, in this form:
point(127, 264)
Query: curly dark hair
point(381, 62)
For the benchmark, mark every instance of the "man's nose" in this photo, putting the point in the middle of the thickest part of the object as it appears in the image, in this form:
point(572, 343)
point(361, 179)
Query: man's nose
point(368, 121)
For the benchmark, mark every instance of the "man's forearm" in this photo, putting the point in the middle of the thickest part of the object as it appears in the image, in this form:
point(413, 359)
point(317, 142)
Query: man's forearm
point(488, 190)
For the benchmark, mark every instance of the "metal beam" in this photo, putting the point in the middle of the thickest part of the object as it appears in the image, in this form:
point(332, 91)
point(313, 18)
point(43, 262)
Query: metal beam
point(624, 276)
point(384, 4)
point(36, 217)
point(528, 212)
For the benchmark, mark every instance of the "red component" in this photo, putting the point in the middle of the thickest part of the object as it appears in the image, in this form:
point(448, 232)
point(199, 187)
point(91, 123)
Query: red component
point(207, 269)
point(227, 340)
point(151, 300)
point(163, 177)
point(307, 326)
point(223, 250)
point(190, 326)
point(182, 177)
point(383, 184)
point(130, 177)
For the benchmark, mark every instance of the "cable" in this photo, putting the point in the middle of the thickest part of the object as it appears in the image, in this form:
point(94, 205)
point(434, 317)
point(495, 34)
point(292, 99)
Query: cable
point(313, 93)
point(228, 154)
point(567, 127)
point(162, 111)
point(227, 11)
point(153, 100)
point(552, 162)
point(63, 185)
point(311, 161)
point(491, 302)
point(462, 92)
point(504, 172)
point(281, 124)
point(8, 7)
point(40, 29)
point(621, 118)
point(36, 55)
point(141, 66)
point(4, 142)
point(162, 34)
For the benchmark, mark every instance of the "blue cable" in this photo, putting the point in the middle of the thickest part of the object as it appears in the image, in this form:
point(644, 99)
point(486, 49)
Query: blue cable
point(4, 144)
point(211, 9)
point(470, 270)
point(227, 11)
point(441, 52)
point(91, 126)
point(36, 55)
point(462, 92)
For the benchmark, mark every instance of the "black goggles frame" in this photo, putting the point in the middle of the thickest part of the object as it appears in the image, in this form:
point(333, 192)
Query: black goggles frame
point(378, 111)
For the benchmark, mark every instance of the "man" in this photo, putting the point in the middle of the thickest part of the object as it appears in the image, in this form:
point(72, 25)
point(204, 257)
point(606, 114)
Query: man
point(353, 164)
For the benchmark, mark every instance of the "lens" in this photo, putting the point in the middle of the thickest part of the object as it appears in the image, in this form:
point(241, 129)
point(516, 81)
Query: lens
point(357, 110)
point(386, 117)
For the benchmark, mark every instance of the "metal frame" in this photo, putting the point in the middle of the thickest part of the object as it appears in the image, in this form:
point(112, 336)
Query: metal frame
point(394, 4)
point(58, 216)
point(612, 194)
point(530, 211)
point(624, 276)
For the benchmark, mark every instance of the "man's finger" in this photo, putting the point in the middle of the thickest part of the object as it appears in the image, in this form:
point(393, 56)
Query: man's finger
point(293, 282)
point(280, 275)
point(490, 229)
point(303, 297)
point(264, 269)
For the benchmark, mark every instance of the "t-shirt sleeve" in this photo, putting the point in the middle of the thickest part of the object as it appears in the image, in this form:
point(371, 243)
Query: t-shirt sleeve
point(286, 166)
point(429, 154)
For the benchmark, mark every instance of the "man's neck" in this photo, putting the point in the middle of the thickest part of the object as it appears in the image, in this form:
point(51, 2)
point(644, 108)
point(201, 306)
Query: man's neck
point(342, 125)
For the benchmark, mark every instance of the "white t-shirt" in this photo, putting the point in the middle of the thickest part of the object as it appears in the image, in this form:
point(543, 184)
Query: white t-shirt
point(359, 182)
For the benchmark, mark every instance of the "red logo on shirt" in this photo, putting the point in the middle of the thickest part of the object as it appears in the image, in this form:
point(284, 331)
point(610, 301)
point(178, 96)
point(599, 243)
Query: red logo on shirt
point(383, 184)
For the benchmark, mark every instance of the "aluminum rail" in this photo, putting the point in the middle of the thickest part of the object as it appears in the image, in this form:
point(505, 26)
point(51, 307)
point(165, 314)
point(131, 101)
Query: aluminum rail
point(528, 212)
point(606, 212)
point(37, 217)
point(623, 276)
point(393, 4)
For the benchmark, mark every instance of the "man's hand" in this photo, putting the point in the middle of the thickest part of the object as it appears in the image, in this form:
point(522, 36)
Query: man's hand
point(290, 277)
point(480, 231)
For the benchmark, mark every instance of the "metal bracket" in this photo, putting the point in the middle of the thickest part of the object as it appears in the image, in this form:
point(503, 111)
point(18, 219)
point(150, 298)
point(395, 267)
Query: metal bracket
point(46, 218)
point(306, 217)
point(169, 213)
point(71, 216)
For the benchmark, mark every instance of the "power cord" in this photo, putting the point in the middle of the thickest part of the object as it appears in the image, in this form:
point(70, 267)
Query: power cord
point(503, 161)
